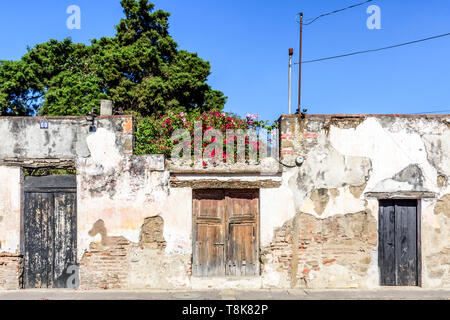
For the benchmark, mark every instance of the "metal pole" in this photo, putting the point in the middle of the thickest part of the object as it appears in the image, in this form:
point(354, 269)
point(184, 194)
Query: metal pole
point(300, 65)
point(291, 52)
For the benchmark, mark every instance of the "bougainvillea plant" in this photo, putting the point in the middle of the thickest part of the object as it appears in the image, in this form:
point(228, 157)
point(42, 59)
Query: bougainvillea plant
point(154, 135)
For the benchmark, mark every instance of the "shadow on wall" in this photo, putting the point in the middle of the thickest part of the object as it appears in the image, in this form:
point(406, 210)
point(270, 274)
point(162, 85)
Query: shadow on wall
point(151, 234)
point(99, 228)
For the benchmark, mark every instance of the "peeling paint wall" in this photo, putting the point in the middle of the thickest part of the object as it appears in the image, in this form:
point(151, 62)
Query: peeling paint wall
point(10, 199)
point(348, 161)
point(27, 145)
point(318, 221)
point(65, 137)
point(133, 232)
point(10, 256)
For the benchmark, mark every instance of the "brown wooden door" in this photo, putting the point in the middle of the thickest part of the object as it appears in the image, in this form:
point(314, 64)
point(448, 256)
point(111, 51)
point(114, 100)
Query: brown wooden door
point(49, 230)
point(242, 248)
point(225, 232)
point(209, 233)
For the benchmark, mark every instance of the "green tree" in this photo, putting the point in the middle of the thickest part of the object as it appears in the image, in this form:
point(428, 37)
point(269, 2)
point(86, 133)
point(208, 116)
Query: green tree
point(140, 69)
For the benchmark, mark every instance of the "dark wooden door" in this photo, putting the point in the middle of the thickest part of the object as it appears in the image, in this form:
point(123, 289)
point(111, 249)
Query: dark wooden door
point(49, 230)
point(225, 232)
point(398, 245)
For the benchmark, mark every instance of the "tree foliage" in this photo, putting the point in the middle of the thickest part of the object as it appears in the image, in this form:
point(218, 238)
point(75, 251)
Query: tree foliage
point(140, 69)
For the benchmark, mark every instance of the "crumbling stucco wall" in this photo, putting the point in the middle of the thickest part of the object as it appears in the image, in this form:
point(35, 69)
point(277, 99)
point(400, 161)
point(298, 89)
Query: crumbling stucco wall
point(10, 198)
point(10, 257)
point(65, 137)
point(318, 221)
point(348, 160)
point(133, 232)
point(26, 144)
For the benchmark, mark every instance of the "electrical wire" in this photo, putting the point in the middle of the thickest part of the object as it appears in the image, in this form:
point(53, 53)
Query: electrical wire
point(431, 112)
point(309, 21)
point(375, 50)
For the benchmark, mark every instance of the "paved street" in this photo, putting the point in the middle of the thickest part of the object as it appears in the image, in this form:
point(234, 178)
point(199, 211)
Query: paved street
point(344, 294)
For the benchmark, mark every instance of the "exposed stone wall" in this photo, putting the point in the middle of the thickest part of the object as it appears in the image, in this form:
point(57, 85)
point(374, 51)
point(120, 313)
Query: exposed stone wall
point(105, 266)
point(116, 263)
point(319, 253)
point(10, 271)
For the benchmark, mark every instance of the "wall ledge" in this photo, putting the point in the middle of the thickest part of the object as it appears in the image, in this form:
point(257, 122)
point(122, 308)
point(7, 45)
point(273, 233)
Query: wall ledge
point(224, 184)
point(401, 195)
point(38, 163)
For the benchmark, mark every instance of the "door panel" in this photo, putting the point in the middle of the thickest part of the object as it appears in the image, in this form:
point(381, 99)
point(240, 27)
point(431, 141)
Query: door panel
point(65, 236)
point(49, 230)
point(38, 255)
point(406, 243)
point(242, 254)
point(398, 255)
point(209, 236)
point(225, 232)
point(242, 204)
point(209, 251)
point(386, 250)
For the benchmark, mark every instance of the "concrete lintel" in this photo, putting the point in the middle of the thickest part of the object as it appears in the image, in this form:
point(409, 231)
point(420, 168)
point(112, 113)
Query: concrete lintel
point(224, 184)
point(401, 195)
point(230, 171)
point(38, 163)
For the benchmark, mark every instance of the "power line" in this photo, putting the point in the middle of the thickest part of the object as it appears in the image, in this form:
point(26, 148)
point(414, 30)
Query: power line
point(431, 112)
point(375, 50)
point(312, 20)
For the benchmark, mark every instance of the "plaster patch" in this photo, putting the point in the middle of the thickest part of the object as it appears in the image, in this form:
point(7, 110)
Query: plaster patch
point(443, 206)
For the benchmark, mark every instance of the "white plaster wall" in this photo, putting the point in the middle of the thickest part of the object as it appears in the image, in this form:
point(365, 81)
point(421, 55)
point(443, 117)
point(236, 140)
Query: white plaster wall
point(276, 207)
point(177, 214)
point(390, 152)
point(10, 198)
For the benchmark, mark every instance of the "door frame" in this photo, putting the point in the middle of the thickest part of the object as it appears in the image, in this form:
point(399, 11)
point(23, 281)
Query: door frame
point(418, 238)
point(257, 221)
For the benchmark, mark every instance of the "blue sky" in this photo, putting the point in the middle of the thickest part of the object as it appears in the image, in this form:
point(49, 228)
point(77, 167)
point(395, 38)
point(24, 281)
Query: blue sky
point(247, 44)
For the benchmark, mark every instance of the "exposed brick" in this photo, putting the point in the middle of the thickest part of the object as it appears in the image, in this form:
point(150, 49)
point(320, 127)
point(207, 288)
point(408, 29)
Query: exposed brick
point(344, 239)
point(11, 268)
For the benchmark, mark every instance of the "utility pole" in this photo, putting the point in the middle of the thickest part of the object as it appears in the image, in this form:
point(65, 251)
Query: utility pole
point(300, 65)
point(291, 52)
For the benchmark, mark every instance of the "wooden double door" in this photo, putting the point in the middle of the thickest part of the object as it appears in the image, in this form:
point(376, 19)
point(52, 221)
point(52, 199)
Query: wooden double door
point(49, 237)
point(225, 235)
point(398, 248)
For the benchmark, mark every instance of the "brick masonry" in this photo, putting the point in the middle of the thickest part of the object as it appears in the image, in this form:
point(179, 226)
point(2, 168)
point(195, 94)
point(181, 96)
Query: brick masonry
point(11, 266)
point(105, 266)
point(306, 244)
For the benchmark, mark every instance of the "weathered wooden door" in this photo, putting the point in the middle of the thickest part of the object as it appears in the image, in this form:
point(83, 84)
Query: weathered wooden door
point(242, 245)
point(225, 232)
point(398, 246)
point(209, 233)
point(49, 230)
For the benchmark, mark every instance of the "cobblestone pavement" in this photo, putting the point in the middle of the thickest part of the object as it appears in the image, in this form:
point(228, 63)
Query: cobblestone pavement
point(341, 294)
